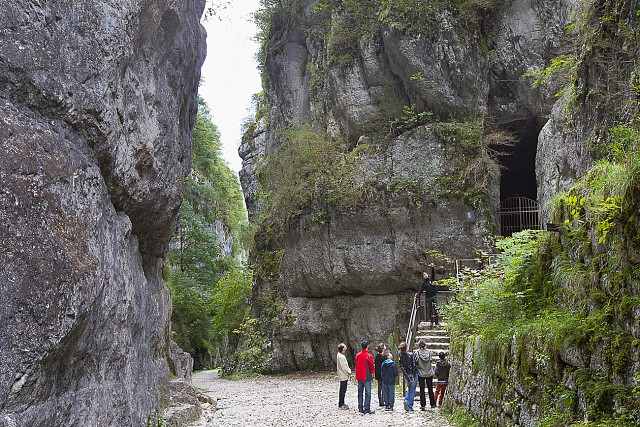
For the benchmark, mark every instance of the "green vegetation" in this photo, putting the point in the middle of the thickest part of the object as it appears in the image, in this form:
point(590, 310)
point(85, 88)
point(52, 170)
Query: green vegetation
point(462, 418)
point(212, 188)
point(410, 119)
point(310, 172)
point(546, 293)
point(468, 150)
point(346, 25)
point(208, 289)
point(295, 174)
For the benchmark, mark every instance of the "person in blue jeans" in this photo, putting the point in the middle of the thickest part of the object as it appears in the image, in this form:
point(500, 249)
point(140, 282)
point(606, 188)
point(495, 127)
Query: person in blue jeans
point(388, 374)
point(410, 372)
point(364, 375)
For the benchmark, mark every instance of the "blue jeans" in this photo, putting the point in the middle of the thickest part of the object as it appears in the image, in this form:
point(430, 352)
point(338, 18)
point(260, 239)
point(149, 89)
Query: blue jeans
point(411, 391)
point(366, 387)
point(388, 393)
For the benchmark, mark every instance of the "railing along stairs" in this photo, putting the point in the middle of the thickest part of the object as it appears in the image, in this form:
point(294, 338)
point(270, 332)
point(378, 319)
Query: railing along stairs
point(412, 325)
point(436, 337)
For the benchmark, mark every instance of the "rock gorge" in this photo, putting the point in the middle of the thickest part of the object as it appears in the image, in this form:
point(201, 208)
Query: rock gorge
point(417, 98)
point(98, 101)
point(359, 75)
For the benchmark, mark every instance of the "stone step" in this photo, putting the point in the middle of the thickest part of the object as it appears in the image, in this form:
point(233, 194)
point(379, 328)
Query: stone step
point(428, 336)
point(434, 338)
point(435, 329)
point(428, 325)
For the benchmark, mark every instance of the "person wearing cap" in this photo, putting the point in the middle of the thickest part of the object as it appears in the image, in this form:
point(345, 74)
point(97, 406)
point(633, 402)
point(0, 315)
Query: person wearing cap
point(443, 367)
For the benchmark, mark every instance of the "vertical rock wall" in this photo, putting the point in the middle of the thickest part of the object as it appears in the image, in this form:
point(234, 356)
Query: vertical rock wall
point(97, 103)
point(518, 386)
point(460, 69)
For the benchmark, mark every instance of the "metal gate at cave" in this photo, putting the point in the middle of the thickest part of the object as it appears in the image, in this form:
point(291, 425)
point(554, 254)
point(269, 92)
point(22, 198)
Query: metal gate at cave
point(517, 214)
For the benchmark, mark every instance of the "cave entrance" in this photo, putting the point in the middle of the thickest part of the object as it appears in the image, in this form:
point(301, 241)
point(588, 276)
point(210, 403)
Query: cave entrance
point(519, 209)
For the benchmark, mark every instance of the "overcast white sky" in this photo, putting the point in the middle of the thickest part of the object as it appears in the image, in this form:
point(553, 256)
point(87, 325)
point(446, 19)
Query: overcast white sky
point(230, 74)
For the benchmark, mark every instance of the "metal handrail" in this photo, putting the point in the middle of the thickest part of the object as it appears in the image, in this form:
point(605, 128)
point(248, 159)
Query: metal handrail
point(412, 324)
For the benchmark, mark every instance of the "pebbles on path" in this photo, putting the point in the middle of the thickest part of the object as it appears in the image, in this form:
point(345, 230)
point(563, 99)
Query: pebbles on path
point(300, 399)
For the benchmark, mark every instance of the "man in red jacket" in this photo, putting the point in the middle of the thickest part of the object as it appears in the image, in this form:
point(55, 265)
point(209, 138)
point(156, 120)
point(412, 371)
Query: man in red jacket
point(364, 374)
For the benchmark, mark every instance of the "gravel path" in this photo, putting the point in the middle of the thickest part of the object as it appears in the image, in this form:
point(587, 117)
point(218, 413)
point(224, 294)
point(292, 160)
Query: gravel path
point(301, 399)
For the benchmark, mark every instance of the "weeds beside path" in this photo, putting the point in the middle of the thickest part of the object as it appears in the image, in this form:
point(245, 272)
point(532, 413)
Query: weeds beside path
point(300, 399)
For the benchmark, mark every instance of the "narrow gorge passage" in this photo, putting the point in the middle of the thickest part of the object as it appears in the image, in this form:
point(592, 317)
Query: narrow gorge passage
point(300, 399)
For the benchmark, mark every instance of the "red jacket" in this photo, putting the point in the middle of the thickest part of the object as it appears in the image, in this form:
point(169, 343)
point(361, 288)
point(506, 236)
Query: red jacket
point(364, 359)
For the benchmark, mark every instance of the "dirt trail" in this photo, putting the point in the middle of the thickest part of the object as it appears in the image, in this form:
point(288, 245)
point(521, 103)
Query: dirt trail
point(302, 399)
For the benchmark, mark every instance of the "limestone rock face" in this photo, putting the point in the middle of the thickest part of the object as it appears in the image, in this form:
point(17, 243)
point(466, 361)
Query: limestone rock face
point(372, 255)
point(598, 97)
point(97, 103)
point(382, 250)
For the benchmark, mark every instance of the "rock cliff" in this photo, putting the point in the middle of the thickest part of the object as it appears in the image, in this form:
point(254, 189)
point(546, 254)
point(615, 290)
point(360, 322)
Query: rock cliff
point(419, 97)
point(591, 377)
point(97, 103)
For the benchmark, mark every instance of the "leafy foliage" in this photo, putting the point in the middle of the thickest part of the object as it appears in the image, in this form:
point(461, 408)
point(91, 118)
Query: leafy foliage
point(468, 149)
point(212, 188)
point(298, 170)
point(196, 247)
point(546, 293)
point(229, 300)
point(410, 119)
point(208, 290)
point(562, 68)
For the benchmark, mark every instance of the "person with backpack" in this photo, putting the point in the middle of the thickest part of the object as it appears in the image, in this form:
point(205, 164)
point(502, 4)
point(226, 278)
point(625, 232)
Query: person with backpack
point(364, 375)
point(409, 371)
point(422, 356)
point(443, 367)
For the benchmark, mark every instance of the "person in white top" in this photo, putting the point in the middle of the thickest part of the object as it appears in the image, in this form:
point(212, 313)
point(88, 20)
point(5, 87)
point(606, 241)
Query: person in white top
point(344, 372)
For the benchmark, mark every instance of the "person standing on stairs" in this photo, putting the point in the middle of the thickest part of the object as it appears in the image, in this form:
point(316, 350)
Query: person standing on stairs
point(408, 367)
point(422, 357)
point(344, 372)
point(378, 362)
point(431, 294)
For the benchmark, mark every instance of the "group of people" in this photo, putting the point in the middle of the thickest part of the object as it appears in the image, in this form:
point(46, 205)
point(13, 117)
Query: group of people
point(416, 367)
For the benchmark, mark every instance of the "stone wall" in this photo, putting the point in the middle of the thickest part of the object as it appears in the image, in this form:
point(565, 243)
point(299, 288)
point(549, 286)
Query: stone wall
point(97, 103)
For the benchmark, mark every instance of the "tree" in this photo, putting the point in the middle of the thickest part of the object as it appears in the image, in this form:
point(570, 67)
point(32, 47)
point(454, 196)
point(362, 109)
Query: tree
point(209, 288)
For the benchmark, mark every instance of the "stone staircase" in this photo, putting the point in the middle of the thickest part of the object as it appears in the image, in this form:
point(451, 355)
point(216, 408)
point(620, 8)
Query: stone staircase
point(436, 337)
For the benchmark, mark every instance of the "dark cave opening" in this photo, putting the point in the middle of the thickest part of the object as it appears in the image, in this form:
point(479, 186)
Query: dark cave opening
point(518, 176)
point(518, 187)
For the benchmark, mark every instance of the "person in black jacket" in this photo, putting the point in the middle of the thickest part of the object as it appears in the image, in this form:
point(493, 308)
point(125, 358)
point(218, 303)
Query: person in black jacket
point(377, 362)
point(410, 372)
point(431, 294)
